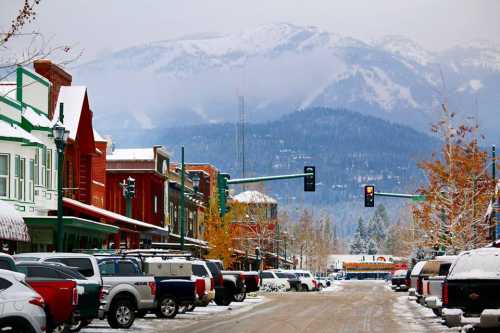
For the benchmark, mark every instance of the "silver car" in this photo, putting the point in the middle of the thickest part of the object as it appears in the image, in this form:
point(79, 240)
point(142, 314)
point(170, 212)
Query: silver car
point(21, 308)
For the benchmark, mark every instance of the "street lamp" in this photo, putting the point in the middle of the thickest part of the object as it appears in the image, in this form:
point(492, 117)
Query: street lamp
point(61, 135)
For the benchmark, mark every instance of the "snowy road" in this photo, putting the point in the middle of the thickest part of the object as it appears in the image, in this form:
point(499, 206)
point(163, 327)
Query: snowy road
point(349, 307)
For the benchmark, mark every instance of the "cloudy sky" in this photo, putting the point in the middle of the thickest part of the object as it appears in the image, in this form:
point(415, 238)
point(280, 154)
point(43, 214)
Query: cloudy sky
point(103, 26)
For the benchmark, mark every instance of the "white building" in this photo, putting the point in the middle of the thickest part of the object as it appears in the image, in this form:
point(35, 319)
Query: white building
point(28, 170)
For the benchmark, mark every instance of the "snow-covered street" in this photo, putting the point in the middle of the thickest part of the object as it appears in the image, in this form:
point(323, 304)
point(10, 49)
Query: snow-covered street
point(347, 306)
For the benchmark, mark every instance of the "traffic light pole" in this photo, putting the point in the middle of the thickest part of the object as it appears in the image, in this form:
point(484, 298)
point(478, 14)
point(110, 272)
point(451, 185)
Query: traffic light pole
point(414, 197)
point(267, 178)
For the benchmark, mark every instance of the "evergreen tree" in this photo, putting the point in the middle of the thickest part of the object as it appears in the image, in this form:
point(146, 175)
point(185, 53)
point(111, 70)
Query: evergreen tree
point(372, 247)
point(361, 229)
point(358, 244)
point(378, 225)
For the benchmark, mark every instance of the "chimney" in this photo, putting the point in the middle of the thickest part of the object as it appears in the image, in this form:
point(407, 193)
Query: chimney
point(55, 74)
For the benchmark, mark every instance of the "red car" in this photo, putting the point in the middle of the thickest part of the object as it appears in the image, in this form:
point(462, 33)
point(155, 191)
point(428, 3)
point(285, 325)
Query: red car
point(61, 298)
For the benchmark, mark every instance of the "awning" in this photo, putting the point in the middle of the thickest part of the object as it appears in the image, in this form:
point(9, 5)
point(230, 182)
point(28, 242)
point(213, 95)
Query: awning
point(12, 226)
point(190, 240)
point(72, 222)
point(103, 213)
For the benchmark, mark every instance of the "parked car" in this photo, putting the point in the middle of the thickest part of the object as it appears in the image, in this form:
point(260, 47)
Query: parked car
point(414, 280)
point(292, 279)
point(60, 297)
point(7, 262)
point(252, 282)
point(398, 280)
point(201, 270)
point(472, 287)
point(240, 288)
point(23, 309)
point(127, 290)
point(307, 280)
point(271, 281)
point(322, 282)
point(84, 263)
point(89, 291)
point(175, 287)
point(433, 275)
point(227, 283)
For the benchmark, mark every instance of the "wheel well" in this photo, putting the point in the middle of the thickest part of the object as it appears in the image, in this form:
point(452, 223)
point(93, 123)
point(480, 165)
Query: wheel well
point(15, 320)
point(125, 295)
point(305, 286)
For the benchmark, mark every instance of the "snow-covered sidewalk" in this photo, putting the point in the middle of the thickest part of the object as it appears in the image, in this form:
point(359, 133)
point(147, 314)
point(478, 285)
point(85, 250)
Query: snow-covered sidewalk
point(151, 324)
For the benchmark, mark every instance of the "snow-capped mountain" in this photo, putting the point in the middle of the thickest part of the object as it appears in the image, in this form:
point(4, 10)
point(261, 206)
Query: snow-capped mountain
point(283, 67)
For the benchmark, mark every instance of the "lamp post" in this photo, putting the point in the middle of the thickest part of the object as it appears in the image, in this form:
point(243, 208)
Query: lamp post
point(182, 199)
point(60, 134)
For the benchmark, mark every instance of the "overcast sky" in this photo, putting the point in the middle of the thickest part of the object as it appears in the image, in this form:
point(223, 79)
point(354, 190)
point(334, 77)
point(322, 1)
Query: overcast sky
point(103, 26)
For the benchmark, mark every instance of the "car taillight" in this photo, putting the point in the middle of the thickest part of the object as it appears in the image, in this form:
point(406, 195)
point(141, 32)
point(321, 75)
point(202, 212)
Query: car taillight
point(221, 279)
point(200, 286)
point(212, 283)
point(315, 283)
point(38, 301)
point(445, 294)
point(242, 277)
point(75, 296)
point(152, 286)
point(257, 279)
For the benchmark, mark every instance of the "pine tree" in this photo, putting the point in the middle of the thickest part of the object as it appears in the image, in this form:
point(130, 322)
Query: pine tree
point(361, 229)
point(377, 227)
point(358, 244)
point(372, 247)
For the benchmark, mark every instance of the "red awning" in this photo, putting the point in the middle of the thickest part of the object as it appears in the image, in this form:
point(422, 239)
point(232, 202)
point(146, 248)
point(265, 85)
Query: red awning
point(113, 217)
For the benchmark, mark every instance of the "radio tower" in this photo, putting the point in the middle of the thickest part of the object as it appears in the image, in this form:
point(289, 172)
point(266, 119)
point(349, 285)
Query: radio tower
point(240, 136)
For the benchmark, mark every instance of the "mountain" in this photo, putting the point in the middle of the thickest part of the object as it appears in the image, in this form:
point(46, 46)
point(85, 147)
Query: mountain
point(283, 67)
point(348, 149)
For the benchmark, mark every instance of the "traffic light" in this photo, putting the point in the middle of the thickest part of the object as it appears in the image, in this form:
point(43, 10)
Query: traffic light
point(131, 187)
point(369, 196)
point(223, 190)
point(310, 181)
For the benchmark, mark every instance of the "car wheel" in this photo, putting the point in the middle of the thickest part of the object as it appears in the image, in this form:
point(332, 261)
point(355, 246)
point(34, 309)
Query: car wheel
point(239, 297)
point(15, 326)
point(190, 307)
point(223, 301)
point(305, 287)
point(167, 308)
point(121, 314)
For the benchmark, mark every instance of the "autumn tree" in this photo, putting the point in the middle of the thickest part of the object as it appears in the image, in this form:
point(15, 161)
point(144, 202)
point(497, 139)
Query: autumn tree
point(458, 191)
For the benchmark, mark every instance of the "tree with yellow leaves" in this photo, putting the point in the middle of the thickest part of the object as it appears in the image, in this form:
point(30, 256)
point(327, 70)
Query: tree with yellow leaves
point(458, 192)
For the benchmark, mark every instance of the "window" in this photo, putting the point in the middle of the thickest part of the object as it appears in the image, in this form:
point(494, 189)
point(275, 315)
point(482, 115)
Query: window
point(199, 270)
point(4, 284)
point(44, 165)
point(107, 268)
point(267, 275)
point(127, 268)
point(82, 265)
point(48, 175)
point(42, 272)
point(36, 167)
point(31, 180)
point(4, 175)
point(21, 195)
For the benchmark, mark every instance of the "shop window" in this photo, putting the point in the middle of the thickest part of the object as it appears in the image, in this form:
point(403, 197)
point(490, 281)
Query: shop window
point(48, 176)
point(31, 181)
point(4, 175)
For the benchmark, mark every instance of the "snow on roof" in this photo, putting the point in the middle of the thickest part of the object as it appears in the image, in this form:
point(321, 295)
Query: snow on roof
point(98, 137)
point(36, 119)
point(15, 131)
point(140, 154)
point(72, 97)
point(12, 224)
point(8, 89)
point(254, 197)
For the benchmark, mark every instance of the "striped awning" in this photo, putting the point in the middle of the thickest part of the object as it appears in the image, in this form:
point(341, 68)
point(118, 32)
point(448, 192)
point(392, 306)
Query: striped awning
point(12, 226)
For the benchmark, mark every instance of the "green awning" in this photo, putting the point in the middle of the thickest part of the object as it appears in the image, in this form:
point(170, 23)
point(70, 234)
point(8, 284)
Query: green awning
point(71, 223)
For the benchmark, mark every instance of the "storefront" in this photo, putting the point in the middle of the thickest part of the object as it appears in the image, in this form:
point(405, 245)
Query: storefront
point(79, 233)
point(13, 230)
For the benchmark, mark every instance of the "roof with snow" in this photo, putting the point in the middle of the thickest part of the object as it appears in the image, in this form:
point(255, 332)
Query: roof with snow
point(73, 98)
point(8, 89)
point(16, 132)
point(254, 197)
point(36, 119)
point(127, 154)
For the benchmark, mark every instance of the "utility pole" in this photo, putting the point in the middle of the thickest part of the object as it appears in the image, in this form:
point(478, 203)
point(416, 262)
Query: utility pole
point(182, 214)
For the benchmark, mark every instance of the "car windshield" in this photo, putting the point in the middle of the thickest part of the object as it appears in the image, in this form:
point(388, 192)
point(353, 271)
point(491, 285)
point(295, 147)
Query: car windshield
point(199, 270)
point(477, 265)
point(285, 275)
